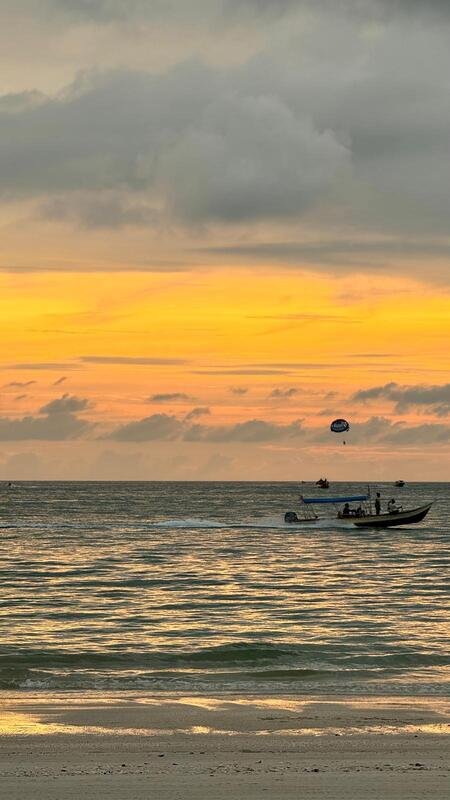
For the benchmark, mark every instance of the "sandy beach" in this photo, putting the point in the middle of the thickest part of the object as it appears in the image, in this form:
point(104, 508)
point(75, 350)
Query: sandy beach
point(121, 746)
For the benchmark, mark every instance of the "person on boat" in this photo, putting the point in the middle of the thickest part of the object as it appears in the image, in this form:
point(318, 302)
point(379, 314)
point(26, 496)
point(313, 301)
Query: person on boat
point(346, 510)
point(393, 508)
point(378, 504)
point(360, 512)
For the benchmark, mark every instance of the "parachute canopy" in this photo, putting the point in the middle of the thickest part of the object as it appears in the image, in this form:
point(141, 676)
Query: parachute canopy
point(340, 426)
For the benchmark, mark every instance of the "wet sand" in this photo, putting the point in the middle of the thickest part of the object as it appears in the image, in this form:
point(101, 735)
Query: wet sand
point(131, 747)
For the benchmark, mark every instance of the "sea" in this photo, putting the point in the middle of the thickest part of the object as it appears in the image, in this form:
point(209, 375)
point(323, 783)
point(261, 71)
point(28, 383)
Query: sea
point(202, 588)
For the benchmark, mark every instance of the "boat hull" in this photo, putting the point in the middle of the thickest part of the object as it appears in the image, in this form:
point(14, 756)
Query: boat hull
point(410, 517)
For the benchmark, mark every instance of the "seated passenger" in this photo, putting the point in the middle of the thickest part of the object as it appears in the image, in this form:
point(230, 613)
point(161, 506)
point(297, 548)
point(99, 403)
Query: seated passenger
point(346, 510)
point(393, 508)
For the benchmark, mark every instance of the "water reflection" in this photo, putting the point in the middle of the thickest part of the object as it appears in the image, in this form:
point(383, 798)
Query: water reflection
point(156, 586)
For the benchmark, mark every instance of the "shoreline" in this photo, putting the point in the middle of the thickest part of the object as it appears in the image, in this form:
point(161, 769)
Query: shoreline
point(131, 745)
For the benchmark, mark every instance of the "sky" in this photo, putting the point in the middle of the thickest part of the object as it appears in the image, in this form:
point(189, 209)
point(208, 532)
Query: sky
point(224, 224)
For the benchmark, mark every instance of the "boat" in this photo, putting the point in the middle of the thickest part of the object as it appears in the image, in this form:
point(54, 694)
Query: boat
point(399, 484)
point(292, 518)
point(390, 520)
point(363, 516)
point(322, 483)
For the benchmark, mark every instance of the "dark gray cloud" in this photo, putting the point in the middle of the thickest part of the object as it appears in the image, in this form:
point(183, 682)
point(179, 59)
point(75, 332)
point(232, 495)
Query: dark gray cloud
point(107, 11)
point(60, 381)
point(20, 397)
point(57, 421)
point(133, 361)
point(100, 211)
point(333, 127)
point(170, 397)
point(434, 399)
point(166, 11)
point(184, 135)
point(346, 254)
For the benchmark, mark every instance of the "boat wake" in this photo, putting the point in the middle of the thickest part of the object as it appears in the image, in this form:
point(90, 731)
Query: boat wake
point(265, 523)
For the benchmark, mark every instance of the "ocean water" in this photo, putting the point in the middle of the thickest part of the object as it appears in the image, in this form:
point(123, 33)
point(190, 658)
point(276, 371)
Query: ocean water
point(201, 588)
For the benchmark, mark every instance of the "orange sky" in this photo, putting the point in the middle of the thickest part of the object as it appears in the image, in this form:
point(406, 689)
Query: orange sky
point(225, 330)
point(223, 225)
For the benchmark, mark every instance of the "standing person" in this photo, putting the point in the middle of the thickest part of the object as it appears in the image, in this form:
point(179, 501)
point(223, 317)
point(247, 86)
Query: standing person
point(378, 504)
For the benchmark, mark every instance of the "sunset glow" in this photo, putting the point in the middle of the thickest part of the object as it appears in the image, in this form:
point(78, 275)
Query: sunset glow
point(213, 244)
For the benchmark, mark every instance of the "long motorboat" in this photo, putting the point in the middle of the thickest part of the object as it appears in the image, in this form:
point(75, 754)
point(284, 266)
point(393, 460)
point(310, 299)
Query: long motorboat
point(409, 517)
point(363, 516)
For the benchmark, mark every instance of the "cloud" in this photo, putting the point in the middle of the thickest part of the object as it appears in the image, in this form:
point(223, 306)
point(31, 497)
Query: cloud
point(165, 427)
point(270, 368)
point(60, 381)
point(172, 397)
point(333, 130)
point(345, 254)
point(218, 171)
point(126, 11)
point(18, 384)
point(252, 431)
point(296, 365)
point(44, 366)
point(419, 434)
point(133, 361)
point(239, 390)
point(156, 427)
point(283, 394)
point(435, 399)
point(65, 404)
point(105, 210)
point(20, 397)
point(240, 372)
point(197, 144)
point(383, 432)
point(303, 317)
point(374, 355)
point(200, 411)
point(57, 421)
point(104, 12)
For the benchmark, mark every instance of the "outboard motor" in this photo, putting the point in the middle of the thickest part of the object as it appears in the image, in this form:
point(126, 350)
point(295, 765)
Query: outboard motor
point(291, 516)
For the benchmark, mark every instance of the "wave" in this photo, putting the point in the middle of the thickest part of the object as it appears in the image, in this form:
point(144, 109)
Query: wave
point(245, 661)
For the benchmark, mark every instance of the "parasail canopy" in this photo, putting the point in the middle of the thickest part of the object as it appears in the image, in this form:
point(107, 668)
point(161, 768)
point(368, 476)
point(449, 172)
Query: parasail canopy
point(339, 426)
